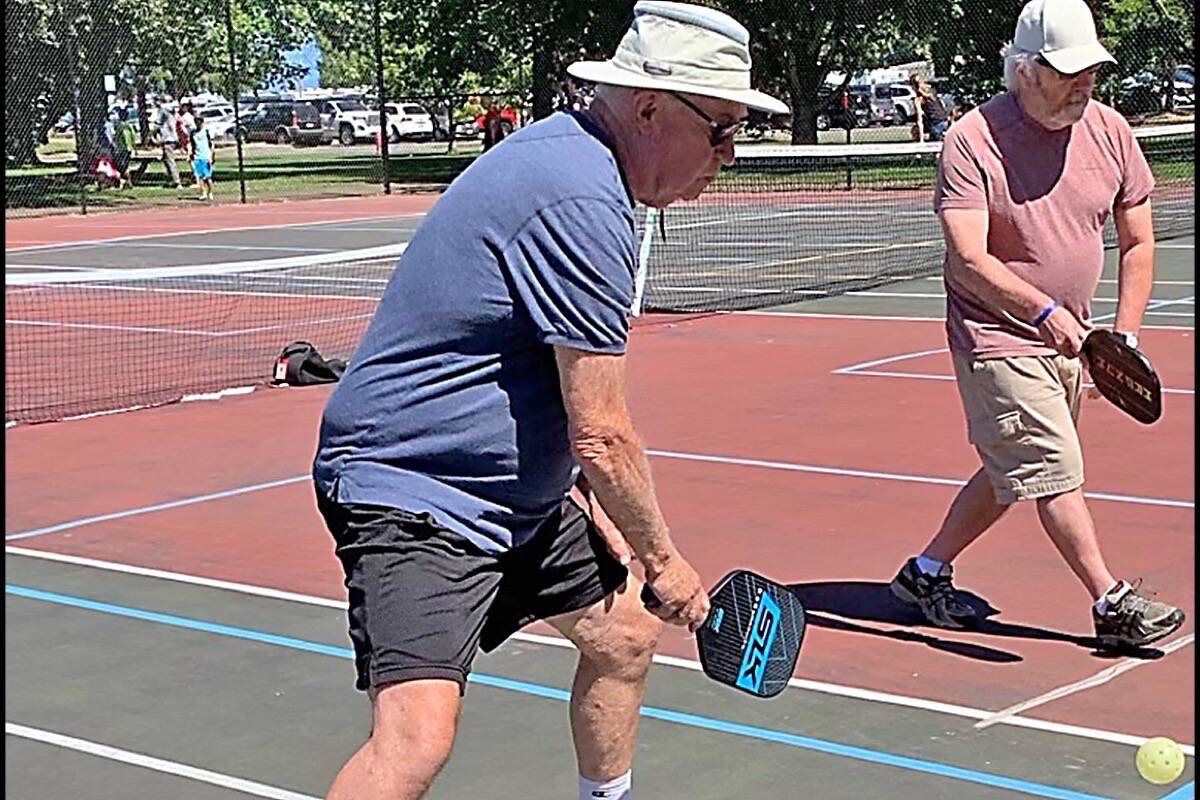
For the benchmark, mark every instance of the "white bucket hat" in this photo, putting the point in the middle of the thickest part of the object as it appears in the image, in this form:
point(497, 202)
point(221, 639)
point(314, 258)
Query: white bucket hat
point(679, 47)
point(1062, 32)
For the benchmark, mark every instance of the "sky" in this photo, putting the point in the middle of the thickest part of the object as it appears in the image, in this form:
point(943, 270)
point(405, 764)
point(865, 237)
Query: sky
point(308, 56)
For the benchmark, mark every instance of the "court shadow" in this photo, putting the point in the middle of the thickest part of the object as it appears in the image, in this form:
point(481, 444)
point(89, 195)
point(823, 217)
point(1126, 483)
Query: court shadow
point(852, 601)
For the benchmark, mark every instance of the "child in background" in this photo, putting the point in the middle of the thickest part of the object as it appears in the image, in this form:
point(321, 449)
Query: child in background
point(203, 152)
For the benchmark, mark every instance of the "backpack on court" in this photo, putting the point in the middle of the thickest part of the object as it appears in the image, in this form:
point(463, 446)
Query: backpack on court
point(299, 364)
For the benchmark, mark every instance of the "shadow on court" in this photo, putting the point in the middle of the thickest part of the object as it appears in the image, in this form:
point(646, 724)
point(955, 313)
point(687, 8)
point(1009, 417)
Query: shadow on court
point(870, 601)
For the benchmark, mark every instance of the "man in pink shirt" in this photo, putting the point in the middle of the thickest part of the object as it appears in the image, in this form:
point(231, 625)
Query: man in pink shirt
point(1025, 184)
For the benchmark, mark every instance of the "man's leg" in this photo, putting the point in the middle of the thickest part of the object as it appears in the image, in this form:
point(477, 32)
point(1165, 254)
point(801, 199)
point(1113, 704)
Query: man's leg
point(616, 639)
point(973, 511)
point(412, 733)
point(1068, 522)
point(168, 152)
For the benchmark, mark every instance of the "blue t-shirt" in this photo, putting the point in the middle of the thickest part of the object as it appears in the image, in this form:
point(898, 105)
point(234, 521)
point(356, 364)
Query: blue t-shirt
point(452, 405)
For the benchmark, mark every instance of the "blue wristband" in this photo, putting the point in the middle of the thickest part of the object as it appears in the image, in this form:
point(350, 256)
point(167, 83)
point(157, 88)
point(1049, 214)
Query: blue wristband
point(1046, 312)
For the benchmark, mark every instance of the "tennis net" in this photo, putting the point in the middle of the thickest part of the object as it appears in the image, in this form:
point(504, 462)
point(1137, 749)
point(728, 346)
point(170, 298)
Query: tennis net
point(94, 341)
point(786, 224)
point(783, 225)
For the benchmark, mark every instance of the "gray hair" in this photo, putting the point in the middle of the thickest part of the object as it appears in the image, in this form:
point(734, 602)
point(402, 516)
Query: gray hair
point(612, 93)
point(1015, 60)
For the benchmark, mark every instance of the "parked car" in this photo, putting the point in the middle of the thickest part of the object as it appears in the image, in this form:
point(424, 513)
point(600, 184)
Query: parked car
point(904, 101)
point(1185, 87)
point(508, 120)
point(883, 110)
point(283, 122)
point(349, 120)
point(834, 111)
point(408, 121)
point(218, 120)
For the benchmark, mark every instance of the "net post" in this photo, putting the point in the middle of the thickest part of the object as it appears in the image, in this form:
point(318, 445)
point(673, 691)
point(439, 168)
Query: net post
point(80, 160)
point(846, 119)
point(384, 138)
point(643, 266)
point(233, 90)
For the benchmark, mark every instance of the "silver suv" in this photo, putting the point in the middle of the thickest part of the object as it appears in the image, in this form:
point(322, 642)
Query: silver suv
point(350, 120)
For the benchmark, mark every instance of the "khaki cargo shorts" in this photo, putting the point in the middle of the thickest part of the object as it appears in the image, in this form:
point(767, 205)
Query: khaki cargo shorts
point(1021, 417)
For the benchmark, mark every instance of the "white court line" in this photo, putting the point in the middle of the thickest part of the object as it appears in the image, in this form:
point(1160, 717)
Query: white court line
point(187, 501)
point(884, 318)
point(863, 369)
point(926, 376)
point(116, 240)
point(894, 476)
point(190, 246)
point(786, 466)
point(1111, 281)
point(558, 641)
point(889, 360)
point(150, 762)
point(47, 267)
point(94, 326)
point(1099, 679)
point(109, 287)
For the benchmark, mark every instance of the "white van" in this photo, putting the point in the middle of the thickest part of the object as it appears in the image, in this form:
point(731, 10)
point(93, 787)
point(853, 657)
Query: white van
point(904, 101)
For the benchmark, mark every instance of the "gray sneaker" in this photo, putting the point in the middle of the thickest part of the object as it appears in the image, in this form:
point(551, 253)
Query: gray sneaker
point(1133, 619)
point(934, 595)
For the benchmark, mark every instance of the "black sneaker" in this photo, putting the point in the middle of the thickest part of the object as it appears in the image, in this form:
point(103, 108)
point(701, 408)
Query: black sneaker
point(935, 595)
point(1133, 619)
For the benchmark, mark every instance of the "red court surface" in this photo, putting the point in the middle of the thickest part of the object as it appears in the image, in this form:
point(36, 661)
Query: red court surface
point(751, 387)
point(65, 229)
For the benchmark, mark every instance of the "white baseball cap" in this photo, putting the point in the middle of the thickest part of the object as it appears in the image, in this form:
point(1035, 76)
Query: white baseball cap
point(680, 47)
point(1063, 32)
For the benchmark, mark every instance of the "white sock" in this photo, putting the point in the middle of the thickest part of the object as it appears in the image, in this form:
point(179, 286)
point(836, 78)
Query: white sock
point(619, 788)
point(1101, 605)
point(929, 566)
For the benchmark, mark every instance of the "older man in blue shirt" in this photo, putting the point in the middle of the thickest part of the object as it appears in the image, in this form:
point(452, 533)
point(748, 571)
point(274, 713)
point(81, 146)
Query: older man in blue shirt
point(491, 381)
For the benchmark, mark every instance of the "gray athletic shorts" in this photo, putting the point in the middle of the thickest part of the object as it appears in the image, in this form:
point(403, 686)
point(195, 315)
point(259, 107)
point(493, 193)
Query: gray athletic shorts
point(423, 600)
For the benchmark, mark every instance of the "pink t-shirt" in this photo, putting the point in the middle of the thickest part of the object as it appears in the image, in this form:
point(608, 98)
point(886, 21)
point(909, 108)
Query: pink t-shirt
point(1047, 194)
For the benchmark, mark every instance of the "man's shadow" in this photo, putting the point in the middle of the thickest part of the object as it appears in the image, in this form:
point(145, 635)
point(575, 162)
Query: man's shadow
point(837, 604)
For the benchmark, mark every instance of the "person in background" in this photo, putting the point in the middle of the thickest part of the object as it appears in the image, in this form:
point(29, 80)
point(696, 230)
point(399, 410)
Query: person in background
point(168, 138)
point(126, 142)
point(493, 131)
point(203, 155)
point(932, 119)
point(185, 125)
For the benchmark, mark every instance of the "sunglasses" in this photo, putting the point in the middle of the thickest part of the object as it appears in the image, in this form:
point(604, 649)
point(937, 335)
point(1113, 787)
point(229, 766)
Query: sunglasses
point(718, 133)
point(1040, 59)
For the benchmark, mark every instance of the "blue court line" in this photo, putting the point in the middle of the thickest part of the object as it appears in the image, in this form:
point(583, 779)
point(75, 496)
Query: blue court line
point(1185, 792)
point(549, 692)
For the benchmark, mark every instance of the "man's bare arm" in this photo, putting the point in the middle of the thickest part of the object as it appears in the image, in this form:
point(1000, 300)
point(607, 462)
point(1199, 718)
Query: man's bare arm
point(1135, 275)
point(971, 268)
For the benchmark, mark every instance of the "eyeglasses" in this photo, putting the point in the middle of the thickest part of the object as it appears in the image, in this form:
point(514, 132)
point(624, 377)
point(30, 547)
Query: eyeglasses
point(718, 133)
point(1040, 59)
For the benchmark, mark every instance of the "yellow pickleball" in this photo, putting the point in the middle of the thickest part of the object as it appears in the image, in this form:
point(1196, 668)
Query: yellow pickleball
point(1160, 760)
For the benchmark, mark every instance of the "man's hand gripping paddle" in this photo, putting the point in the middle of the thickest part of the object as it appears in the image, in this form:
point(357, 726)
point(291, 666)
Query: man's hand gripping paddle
point(752, 636)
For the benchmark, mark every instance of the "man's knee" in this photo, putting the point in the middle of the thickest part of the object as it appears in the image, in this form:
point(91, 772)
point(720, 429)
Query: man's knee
point(625, 644)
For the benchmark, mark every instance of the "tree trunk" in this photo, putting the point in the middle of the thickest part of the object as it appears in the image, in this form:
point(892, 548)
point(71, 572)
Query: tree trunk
point(804, 79)
point(144, 112)
point(544, 83)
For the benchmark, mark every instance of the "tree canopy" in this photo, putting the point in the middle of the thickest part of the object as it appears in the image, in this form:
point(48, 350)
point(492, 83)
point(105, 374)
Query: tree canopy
point(517, 47)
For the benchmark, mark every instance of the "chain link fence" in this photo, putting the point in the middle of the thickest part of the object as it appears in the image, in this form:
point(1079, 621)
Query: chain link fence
point(340, 97)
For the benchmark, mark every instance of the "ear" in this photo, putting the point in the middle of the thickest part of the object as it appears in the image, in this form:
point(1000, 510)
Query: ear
point(648, 107)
